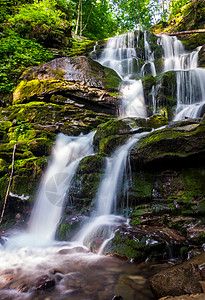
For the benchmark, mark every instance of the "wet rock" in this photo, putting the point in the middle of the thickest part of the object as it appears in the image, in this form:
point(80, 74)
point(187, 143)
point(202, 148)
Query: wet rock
point(96, 244)
point(114, 133)
point(170, 147)
point(151, 240)
point(45, 283)
point(79, 79)
point(202, 57)
point(181, 279)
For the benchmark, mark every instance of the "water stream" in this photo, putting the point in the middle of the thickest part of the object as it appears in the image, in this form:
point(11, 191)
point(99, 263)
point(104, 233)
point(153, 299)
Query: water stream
point(190, 79)
point(120, 55)
point(104, 219)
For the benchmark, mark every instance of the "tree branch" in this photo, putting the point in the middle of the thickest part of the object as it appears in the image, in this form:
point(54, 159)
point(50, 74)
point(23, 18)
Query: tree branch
point(9, 185)
point(188, 32)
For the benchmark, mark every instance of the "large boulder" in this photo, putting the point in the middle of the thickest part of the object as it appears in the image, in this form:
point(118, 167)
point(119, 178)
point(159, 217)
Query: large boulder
point(181, 279)
point(175, 144)
point(79, 79)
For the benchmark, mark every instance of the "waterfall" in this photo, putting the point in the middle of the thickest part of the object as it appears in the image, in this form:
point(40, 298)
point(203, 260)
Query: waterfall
point(120, 55)
point(54, 186)
point(132, 99)
point(149, 57)
point(68, 152)
point(104, 220)
point(190, 79)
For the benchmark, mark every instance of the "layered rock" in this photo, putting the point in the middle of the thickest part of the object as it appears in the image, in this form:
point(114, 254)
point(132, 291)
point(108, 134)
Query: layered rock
point(78, 79)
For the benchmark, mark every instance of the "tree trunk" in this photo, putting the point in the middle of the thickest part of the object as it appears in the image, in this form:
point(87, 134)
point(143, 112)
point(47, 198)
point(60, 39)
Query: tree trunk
point(88, 17)
point(78, 17)
point(188, 32)
point(81, 17)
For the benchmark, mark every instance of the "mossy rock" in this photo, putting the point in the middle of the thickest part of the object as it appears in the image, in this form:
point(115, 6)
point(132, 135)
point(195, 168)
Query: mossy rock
point(114, 133)
point(170, 145)
point(47, 119)
point(135, 249)
point(141, 189)
point(153, 122)
point(166, 94)
point(79, 79)
point(85, 183)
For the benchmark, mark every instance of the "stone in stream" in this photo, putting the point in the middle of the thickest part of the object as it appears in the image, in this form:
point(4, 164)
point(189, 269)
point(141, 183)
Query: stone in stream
point(45, 283)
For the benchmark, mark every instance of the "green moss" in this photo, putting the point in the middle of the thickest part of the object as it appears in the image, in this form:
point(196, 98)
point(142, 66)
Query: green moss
point(5, 125)
point(141, 190)
point(3, 166)
point(112, 134)
point(112, 80)
point(35, 89)
point(22, 133)
point(148, 82)
point(194, 182)
point(140, 250)
point(86, 181)
point(27, 174)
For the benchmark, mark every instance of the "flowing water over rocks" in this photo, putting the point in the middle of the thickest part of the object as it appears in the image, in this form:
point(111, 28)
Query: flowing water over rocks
point(35, 266)
point(190, 79)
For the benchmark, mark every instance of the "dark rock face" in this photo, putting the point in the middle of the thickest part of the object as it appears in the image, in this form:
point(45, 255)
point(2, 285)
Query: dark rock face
point(179, 280)
point(202, 57)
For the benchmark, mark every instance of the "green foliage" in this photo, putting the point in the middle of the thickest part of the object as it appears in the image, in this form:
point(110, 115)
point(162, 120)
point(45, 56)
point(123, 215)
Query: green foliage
point(101, 23)
point(17, 54)
point(41, 21)
point(176, 6)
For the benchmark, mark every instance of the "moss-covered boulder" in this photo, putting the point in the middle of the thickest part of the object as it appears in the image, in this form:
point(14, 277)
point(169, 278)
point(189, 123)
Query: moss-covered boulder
point(166, 93)
point(176, 144)
point(150, 240)
point(80, 79)
point(112, 134)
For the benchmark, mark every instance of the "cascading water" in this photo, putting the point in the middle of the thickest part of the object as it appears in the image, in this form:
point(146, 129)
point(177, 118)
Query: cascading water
point(120, 55)
point(190, 79)
point(103, 220)
point(26, 263)
point(68, 152)
point(149, 57)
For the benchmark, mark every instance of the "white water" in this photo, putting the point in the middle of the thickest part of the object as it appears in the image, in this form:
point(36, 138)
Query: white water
point(46, 214)
point(132, 104)
point(120, 55)
point(190, 79)
point(149, 57)
point(104, 221)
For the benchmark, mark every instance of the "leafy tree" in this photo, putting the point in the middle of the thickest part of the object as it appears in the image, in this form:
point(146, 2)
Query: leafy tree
point(132, 13)
point(95, 19)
